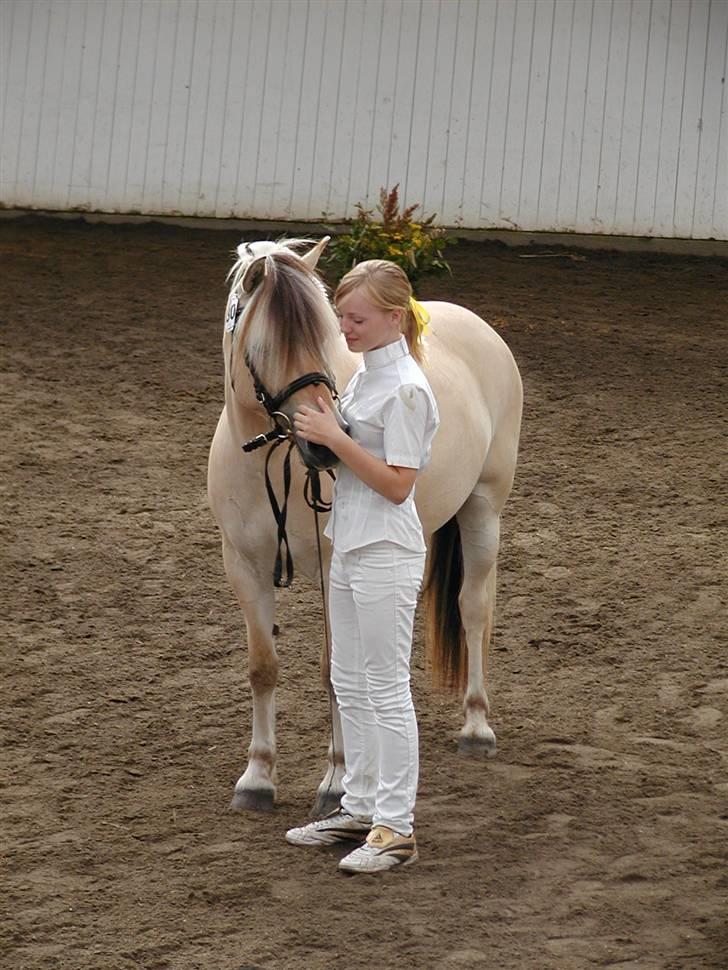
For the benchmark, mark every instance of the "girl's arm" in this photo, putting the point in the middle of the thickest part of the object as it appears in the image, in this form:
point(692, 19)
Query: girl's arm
point(394, 482)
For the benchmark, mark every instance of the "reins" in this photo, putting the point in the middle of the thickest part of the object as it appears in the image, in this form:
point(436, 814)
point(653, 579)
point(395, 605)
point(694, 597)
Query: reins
point(313, 498)
point(281, 431)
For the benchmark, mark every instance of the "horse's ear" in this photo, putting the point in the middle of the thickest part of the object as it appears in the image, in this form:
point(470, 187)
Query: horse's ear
point(254, 274)
point(313, 255)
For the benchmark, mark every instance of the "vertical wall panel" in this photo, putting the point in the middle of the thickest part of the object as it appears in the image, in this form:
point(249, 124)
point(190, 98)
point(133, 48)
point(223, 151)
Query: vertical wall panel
point(611, 129)
point(460, 113)
point(482, 67)
point(83, 140)
point(383, 133)
point(534, 135)
point(424, 54)
point(557, 86)
point(134, 154)
point(692, 96)
point(593, 120)
point(314, 54)
point(518, 106)
point(442, 117)
point(577, 65)
point(670, 119)
point(652, 115)
point(347, 84)
point(32, 69)
point(710, 211)
point(273, 119)
point(289, 134)
point(52, 111)
point(632, 118)
point(330, 66)
point(122, 164)
point(504, 30)
point(364, 105)
point(604, 116)
point(257, 23)
point(69, 153)
point(403, 97)
point(163, 35)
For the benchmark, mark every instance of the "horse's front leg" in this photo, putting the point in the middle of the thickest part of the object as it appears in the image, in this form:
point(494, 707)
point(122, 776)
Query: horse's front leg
point(255, 790)
point(480, 537)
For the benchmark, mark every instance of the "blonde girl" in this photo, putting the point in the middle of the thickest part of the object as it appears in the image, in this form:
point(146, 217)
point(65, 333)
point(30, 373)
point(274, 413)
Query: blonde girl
point(377, 563)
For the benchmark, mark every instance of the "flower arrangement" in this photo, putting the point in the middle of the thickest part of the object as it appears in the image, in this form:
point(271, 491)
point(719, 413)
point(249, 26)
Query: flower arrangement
point(415, 245)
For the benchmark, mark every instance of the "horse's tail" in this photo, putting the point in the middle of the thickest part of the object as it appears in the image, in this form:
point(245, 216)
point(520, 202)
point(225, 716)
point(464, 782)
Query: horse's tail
point(445, 635)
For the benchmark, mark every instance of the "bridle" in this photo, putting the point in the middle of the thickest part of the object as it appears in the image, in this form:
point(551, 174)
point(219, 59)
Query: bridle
point(282, 430)
point(272, 403)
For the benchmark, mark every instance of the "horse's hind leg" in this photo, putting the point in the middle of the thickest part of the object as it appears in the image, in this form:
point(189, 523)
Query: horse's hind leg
point(255, 790)
point(479, 524)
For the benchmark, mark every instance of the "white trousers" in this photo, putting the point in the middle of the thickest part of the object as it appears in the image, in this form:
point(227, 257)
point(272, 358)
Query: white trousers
point(372, 599)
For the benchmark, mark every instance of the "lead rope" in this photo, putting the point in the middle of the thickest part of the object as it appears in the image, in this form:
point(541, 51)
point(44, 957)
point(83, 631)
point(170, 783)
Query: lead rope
point(312, 496)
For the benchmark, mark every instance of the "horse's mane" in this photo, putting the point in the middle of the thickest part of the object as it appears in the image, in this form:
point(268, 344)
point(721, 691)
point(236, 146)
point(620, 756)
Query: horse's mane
point(289, 327)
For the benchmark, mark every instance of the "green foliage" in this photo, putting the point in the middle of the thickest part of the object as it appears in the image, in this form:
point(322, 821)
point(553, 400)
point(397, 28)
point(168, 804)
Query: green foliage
point(415, 245)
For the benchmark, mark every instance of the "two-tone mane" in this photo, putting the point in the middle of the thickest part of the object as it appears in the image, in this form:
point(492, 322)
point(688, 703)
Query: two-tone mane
point(287, 323)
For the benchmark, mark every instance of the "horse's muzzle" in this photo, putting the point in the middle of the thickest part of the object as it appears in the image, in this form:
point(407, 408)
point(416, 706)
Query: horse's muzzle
point(316, 457)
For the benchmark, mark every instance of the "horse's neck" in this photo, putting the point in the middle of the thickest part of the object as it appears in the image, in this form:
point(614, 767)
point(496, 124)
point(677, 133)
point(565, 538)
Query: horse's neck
point(343, 366)
point(245, 414)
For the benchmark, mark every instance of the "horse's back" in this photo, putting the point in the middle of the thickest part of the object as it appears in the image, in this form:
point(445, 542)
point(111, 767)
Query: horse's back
point(464, 346)
point(478, 389)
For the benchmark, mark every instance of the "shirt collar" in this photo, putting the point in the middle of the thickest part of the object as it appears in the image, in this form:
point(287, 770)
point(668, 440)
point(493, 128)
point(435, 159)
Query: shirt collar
point(385, 355)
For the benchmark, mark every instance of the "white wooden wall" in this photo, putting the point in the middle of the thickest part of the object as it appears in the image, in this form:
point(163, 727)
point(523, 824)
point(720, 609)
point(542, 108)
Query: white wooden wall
point(603, 116)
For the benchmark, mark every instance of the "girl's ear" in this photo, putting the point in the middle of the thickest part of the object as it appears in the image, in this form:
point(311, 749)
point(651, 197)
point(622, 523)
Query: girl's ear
point(397, 317)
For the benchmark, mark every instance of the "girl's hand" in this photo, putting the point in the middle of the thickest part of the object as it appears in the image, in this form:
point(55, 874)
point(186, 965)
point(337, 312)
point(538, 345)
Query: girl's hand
point(317, 425)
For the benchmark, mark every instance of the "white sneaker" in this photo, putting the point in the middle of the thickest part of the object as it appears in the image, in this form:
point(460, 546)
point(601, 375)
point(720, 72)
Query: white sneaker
point(337, 826)
point(382, 850)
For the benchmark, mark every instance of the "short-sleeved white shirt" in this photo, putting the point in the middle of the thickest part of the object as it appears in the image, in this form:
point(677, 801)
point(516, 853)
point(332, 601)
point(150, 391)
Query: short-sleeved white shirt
point(391, 412)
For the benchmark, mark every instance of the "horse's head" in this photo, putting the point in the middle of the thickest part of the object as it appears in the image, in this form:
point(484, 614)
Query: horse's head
point(282, 329)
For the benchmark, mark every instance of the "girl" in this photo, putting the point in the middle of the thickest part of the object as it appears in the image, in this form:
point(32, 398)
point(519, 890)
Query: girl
point(377, 563)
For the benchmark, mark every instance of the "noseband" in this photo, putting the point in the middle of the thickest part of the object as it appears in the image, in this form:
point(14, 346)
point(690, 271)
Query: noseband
point(282, 427)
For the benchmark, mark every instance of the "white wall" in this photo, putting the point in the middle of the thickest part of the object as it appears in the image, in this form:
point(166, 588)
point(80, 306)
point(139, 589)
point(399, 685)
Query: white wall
point(604, 116)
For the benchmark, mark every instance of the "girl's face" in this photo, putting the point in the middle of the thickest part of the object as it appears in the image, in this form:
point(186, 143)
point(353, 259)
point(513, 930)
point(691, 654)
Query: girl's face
point(364, 325)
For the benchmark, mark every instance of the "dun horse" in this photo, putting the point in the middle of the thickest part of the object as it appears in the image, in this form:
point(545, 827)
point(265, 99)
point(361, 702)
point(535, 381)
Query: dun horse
point(282, 347)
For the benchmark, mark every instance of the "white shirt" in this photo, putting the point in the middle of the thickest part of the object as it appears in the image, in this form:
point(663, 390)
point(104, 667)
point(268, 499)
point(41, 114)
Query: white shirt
point(391, 412)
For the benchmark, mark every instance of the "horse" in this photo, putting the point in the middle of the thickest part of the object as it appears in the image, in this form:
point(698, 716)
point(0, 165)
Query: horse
point(282, 348)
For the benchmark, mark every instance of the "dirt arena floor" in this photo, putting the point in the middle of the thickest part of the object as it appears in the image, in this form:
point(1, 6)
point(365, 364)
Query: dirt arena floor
point(598, 835)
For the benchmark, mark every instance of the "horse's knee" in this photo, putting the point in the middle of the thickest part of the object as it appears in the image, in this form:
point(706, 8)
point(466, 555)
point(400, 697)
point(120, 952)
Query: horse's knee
point(263, 673)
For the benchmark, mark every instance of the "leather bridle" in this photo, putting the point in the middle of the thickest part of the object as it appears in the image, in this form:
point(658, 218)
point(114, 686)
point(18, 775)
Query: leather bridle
point(272, 403)
point(282, 430)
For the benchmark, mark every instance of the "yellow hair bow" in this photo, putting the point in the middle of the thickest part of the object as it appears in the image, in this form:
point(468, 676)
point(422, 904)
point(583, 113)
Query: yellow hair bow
point(422, 317)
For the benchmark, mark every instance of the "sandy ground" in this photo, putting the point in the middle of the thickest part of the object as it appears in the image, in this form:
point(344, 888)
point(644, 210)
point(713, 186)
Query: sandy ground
point(597, 837)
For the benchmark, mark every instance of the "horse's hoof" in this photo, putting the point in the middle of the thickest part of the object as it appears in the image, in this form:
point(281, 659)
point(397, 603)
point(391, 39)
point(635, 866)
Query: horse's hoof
point(325, 803)
point(473, 747)
point(253, 800)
